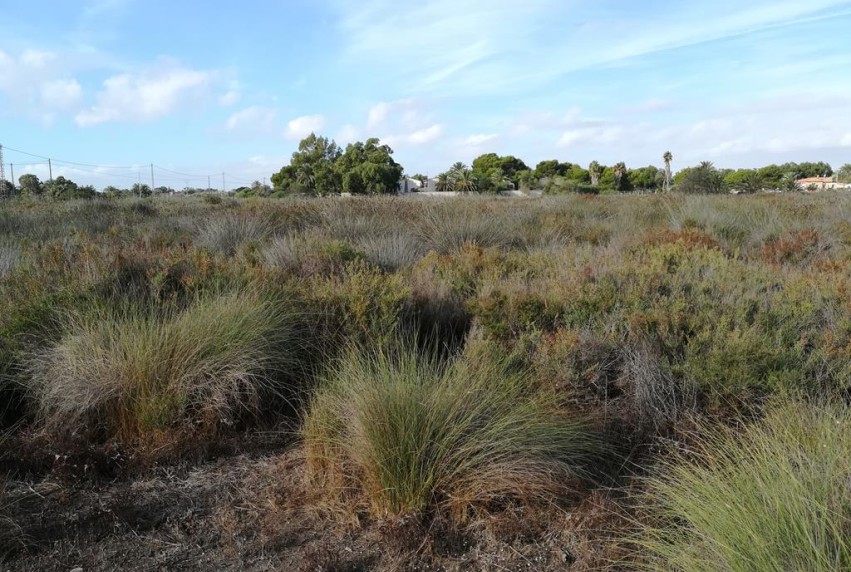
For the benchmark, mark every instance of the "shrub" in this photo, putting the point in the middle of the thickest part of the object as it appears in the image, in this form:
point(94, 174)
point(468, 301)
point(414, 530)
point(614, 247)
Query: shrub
point(406, 434)
point(227, 233)
point(775, 498)
point(134, 372)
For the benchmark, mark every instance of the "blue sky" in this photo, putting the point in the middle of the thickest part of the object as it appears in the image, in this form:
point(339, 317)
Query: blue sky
point(205, 87)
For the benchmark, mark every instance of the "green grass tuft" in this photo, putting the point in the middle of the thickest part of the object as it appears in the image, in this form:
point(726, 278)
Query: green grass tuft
point(411, 435)
point(128, 373)
point(776, 498)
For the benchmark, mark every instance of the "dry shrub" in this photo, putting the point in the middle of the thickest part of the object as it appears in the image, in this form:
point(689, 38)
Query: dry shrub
point(795, 247)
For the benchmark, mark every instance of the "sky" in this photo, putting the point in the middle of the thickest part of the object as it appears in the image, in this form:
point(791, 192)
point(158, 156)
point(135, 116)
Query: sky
point(106, 88)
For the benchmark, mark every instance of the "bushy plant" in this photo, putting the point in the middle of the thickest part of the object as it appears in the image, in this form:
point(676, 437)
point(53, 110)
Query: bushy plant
point(399, 433)
point(133, 372)
point(776, 497)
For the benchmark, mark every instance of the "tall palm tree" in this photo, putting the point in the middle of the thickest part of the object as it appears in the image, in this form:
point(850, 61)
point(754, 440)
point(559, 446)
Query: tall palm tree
point(667, 157)
point(619, 170)
point(595, 171)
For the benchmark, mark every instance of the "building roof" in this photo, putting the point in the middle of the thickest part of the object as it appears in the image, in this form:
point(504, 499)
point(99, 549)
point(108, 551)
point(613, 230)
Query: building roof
point(810, 180)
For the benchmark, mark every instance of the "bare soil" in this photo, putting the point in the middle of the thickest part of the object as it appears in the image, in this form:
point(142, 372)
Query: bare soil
point(255, 511)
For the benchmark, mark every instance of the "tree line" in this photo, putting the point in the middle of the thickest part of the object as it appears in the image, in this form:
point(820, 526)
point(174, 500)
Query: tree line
point(320, 167)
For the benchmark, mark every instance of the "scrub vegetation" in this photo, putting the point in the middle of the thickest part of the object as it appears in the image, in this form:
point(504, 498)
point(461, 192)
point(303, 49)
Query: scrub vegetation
point(572, 382)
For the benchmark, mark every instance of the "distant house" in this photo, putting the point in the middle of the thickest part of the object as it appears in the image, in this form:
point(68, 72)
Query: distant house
point(821, 184)
point(408, 185)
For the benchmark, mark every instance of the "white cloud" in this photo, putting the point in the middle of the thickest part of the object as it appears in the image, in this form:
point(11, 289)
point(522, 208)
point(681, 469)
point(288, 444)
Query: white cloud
point(254, 119)
point(37, 58)
point(301, 127)
point(469, 47)
point(348, 134)
point(427, 135)
point(145, 96)
point(479, 139)
point(61, 93)
point(231, 97)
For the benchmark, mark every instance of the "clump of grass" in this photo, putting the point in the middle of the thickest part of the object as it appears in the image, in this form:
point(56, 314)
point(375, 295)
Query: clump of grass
point(445, 228)
point(309, 255)
point(392, 251)
point(410, 435)
point(225, 234)
point(133, 372)
point(775, 498)
point(9, 257)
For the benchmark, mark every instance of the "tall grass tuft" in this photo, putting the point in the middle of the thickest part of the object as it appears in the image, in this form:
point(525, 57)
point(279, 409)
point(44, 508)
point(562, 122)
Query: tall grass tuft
point(409, 435)
point(228, 233)
point(9, 257)
point(133, 372)
point(446, 227)
point(776, 498)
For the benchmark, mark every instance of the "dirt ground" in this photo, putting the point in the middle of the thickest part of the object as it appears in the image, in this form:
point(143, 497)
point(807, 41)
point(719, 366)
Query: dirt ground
point(254, 512)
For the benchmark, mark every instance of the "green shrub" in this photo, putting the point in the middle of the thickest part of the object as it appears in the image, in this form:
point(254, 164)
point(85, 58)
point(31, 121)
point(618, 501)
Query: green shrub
point(133, 372)
point(775, 498)
point(401, 433)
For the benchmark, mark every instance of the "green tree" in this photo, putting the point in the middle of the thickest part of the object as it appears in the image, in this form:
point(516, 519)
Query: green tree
point(141, 190)
point(60, 188)
point(843, 175)
point(8, 189)
point(703, 179)
point(485, 166)
point(527, 179)
point(646, 178)
point(443, 183)
point(30, 185)
point(312, 169)
point(551, 168)
point(369, 168)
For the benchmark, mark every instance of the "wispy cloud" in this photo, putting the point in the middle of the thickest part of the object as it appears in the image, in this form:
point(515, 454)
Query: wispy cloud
point(301, 127)
point(254, 119)
point(147, 95)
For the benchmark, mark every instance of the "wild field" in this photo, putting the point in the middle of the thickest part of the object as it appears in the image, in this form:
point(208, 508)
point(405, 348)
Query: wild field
point(577, 383)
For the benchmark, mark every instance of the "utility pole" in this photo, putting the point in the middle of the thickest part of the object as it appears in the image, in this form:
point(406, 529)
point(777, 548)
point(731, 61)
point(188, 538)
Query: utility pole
point(139, 176)
point(208, 183)
point(152, 178)
point(12, 165)
point(50, 168)
point(223, 182)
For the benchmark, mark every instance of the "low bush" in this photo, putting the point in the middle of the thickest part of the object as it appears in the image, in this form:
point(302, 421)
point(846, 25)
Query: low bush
point(776, 497)
point(400, 433)
point(137, 372)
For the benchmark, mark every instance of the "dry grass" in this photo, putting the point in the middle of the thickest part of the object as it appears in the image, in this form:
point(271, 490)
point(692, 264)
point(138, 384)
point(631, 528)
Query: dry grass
point(132, 372)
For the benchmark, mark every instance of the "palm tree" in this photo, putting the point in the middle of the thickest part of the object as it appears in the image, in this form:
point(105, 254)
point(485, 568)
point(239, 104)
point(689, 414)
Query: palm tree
point(458, 167)
point(619, 170)
point(443, 184)
point(465, 182)
point(667, 157)
point(595, 171)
